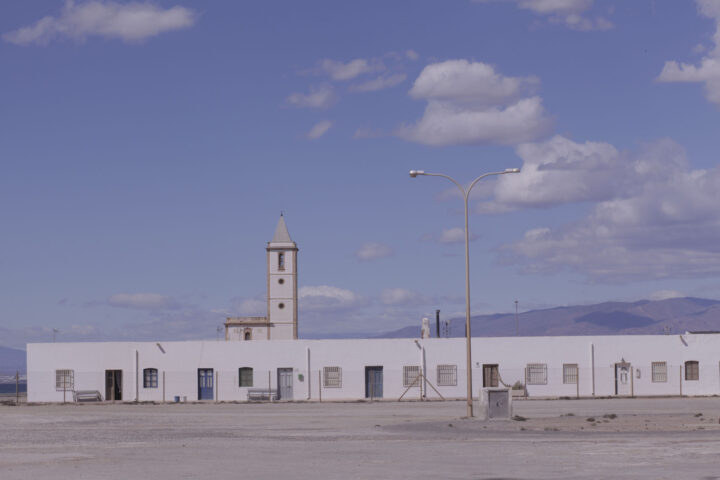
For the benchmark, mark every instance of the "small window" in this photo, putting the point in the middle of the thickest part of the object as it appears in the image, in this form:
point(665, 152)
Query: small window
point(64, 380)
point(659, 372)
point(447, 375)
point(332, 377)
point(537, 374)
point(281, 305)
point(570, 373)
point(245, 374)
point(281, 281)
point(411, 374)
point(692, 370)
point(150, 378)
point(281, 261)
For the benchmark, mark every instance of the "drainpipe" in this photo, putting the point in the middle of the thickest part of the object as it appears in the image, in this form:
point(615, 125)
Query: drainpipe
point(424, 372)
point(307, 350)
point(137, 376)
point(592, 366)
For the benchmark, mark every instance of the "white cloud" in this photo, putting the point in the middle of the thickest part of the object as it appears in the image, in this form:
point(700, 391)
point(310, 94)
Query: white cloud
point(566, 12)
point(444, 124)
point(665, 295)
point(319, 129)
point(473, 82)
point(455, 235)
point(142, 301)
point(470, 103)
point(400, 296)
point(130, 22)
point(373, 251)
point(254, 307)
point(340, 71)
point(379, 83)
point(708, 71)
point(319, 98)
point(324, 297)
point(655, 217)
point(412, 54)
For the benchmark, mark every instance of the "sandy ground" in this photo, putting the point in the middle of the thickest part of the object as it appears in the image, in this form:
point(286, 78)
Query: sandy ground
point(615, 438)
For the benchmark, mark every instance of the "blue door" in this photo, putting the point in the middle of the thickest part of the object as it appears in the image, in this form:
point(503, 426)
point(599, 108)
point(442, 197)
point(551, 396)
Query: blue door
point(373, 382)
point(205, 383)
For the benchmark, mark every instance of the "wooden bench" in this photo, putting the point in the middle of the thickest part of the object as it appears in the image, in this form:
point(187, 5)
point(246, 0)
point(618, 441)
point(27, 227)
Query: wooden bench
point(87, 396)
point(261, 394)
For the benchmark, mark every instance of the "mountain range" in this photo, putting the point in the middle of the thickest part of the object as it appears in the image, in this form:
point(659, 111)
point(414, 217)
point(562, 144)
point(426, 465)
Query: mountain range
point(644, 317)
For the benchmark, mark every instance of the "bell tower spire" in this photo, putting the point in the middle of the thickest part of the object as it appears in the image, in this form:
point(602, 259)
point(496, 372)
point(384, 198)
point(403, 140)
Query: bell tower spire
point(282, 284)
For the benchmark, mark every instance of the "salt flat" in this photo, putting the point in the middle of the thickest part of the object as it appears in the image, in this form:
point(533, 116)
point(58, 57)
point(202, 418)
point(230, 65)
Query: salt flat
point(611, 438)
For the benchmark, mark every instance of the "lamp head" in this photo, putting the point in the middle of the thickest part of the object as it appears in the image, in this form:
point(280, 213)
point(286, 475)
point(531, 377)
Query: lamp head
point(512, 170)
point(415, 173)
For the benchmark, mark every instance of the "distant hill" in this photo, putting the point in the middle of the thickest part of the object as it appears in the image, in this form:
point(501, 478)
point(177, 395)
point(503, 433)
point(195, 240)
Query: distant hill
point(645, 317)
point(12, 360)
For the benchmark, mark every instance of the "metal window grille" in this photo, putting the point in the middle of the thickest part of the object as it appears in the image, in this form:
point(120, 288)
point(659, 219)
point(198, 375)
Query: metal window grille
point(332, 377)
point(692, 370)
point(245, 376)
point(570, 373)
point(64, 380)
point(410, 375)
point(447, 375)
point(659, 372)
point(150, 378)
point(537, 374)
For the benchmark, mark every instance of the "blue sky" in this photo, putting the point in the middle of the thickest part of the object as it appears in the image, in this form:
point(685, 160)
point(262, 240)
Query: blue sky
point(147, 149)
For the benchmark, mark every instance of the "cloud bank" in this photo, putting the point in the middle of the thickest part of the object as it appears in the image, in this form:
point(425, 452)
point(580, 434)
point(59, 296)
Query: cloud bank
point(129, 22)
point(470, 103)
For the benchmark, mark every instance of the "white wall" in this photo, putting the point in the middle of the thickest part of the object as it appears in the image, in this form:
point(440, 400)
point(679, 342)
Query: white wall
point(181, 360)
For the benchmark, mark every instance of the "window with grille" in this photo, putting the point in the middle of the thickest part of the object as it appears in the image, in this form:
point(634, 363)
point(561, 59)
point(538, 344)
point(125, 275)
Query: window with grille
point(447, 375)
point(410, 376)
point(64, 380)
point(150, 378)
point(332, 377)
point(537, 374)
point(692, 370)
point(659, 372)
point(570, 373)
point(245, 377)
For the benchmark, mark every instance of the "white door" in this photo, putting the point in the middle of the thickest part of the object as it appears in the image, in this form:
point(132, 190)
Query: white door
point(622, 379)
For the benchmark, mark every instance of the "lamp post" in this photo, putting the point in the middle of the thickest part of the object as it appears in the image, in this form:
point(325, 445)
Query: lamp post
point(466, 194)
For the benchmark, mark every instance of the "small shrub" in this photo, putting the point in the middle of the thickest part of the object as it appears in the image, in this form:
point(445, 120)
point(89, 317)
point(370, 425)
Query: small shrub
point(518, 418)
point(590, 419)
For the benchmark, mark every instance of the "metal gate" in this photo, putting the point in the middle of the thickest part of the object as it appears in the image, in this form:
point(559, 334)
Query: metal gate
point(113, 385)
point(373, 382)
point(205, 383)
point(285, 383)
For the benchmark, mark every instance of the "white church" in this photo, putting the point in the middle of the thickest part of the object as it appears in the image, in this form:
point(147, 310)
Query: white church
point(281, 322)
point(262, 359)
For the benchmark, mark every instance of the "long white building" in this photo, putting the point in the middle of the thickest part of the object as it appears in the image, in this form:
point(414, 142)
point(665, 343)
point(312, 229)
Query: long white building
point(281, 367)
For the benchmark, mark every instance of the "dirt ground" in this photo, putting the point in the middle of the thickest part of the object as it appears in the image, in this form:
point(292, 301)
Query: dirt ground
point(613, 438)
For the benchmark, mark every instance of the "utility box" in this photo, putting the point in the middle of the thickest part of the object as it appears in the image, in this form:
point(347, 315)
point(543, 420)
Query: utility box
point(495, 404)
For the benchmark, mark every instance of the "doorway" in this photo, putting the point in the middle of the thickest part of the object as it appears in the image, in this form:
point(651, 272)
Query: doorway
point(113, 385)
point(622, 379)
point(205, 383)
point(373, 382)
point(490, 375)
point(285, 383)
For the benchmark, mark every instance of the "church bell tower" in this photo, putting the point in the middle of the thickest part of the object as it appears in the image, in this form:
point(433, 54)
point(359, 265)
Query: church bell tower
point(282, 286)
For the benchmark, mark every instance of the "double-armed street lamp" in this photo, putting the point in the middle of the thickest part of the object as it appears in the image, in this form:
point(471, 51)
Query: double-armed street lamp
point(466, 194)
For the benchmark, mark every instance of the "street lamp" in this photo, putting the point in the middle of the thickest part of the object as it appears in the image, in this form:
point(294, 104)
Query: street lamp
point(466, 194)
